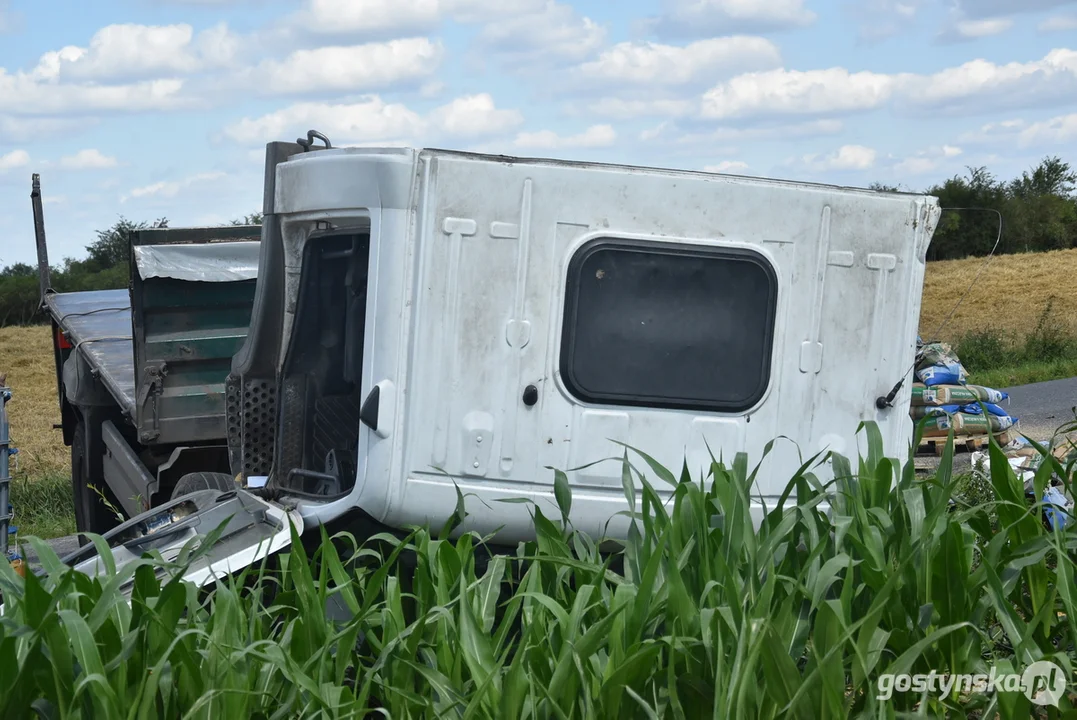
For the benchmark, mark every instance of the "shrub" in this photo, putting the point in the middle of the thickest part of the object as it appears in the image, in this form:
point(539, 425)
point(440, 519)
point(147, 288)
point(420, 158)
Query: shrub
point(1049, 341)
point(699, 614)
point(984, 350)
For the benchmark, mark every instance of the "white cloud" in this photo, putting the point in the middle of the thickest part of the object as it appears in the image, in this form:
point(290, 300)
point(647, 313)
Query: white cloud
point(168, 188)
point(782, 92)
point(21, 94)
point(727, 166)
point(675, 139)
point(368, 16)
point(553, 32)
point(372, 120)
point(14, 159)
point(130, 51)
point(649, 63)
point(355, 68)
point(981, 84)
point(974, 87)
point(928, 160)
point(1052, 132)
point(1059, 23)
point(992, 132)
point(711, 17)
point(1055, 131)
point(90, 159)
point(474, 115)
point(756, 133)
point(985, 27)
point(20, 129)
point(386, 17)
point(592, 137)
point(847, 157)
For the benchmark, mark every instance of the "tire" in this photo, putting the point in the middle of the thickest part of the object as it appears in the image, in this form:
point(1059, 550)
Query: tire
point(91, 513)
point(193, 482)
point(79, 491)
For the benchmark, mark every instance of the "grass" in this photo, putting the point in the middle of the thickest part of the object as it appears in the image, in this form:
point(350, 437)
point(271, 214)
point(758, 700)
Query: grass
point(44, 506)
point(698, 614)
point(1046, 352)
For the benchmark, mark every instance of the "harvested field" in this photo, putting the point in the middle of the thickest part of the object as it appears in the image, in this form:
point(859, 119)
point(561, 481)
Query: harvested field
point(26, 357)
point(1010, 296)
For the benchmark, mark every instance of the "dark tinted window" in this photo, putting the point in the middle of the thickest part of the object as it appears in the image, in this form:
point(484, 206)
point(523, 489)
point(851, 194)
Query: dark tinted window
point(668, 325)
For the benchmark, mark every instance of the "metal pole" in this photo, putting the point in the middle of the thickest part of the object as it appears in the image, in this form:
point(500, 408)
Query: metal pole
point(5, 475)
point(43, 275)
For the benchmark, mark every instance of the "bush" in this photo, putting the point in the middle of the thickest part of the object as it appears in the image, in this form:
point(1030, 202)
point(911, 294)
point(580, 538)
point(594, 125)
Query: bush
point(698, 614)
point(984, 350)
point(1048, 341)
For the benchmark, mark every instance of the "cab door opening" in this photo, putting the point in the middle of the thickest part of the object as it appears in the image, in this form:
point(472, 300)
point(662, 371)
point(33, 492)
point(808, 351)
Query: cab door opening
point(321, 378)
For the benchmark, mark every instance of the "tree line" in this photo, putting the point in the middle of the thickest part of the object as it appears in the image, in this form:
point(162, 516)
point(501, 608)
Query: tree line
point(1035, 211)
point(105, 266)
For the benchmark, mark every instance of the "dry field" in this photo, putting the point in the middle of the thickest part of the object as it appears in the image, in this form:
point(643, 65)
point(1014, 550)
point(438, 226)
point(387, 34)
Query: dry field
point(26, 357)
point(1012, 293)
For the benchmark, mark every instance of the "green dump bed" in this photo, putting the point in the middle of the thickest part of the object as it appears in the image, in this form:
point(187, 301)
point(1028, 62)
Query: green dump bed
point(192, 293)
point(164, 347)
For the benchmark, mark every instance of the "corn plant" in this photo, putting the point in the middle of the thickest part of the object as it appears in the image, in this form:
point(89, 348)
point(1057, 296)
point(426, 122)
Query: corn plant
point(705, 610)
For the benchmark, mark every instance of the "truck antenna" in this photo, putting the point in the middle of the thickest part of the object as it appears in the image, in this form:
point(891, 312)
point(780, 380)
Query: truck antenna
point(43, 275)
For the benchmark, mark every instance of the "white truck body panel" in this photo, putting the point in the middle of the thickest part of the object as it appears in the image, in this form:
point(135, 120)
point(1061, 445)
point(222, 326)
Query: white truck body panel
point(470, 262)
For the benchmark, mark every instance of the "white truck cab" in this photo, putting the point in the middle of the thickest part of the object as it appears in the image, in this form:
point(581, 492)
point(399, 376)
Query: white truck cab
point(427, 320)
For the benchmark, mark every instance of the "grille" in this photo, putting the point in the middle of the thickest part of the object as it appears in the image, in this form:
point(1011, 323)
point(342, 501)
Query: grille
point(251, 419)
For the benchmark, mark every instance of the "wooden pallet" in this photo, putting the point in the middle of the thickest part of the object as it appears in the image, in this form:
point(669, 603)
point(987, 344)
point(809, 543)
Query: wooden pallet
point(962, 443)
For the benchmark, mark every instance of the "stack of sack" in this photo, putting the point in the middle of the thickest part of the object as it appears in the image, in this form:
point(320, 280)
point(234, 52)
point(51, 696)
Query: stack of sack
point(943, 395)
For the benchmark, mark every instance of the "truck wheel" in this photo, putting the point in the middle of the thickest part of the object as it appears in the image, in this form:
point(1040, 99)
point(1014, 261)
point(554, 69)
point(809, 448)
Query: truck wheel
point(192, 482)
point(78, 482)
point(91, 514)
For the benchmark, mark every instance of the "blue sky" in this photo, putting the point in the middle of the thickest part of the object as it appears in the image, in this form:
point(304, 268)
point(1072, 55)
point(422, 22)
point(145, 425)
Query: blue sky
point(151, 108)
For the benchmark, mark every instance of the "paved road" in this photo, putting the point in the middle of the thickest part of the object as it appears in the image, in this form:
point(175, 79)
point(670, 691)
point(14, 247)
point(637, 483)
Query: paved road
point(1043, 407)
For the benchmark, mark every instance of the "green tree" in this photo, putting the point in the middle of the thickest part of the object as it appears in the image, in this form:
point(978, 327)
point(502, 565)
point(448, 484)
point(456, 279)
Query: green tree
point(112, 246)
point(18, 270)
point(1042, 211)
point(969, 224)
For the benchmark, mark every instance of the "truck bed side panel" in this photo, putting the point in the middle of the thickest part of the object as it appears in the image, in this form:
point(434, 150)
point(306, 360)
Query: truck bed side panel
point(192, 294)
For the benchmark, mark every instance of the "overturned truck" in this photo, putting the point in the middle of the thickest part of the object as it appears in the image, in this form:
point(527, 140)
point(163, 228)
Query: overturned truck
point(410, 322)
